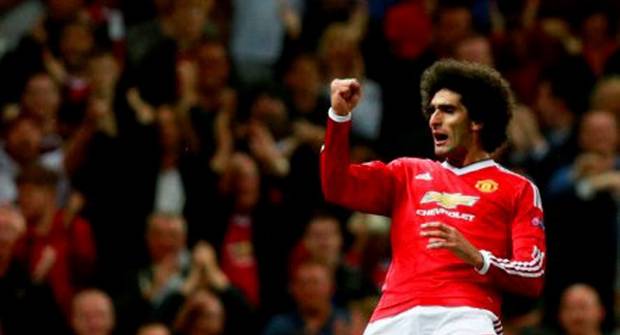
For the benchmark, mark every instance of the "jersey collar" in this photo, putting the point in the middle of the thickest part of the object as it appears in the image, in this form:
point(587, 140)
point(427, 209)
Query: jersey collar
point(485, 163)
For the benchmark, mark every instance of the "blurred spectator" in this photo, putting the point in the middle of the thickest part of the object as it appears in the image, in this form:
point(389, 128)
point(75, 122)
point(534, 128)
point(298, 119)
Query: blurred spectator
point(559, 105)
point(251, 258)
point(156, 75)
point(306, 104)
point(586, 191)
point(239, 316)
point(97, 111)
point(106, 148)
point(581, 311)
point(22, 146)
point(598, 39)
point(305, 101)
point(176, 179)
point(267, 133)
point(76, 42)
point(41, 100)
point(238, 255)
point(158, 291)
point(173, 139)
point(92, 313)
point(208, 100)
point(370, 250)
point(311, 286)
point(258, 31)
point(526, 43)
point(318, 15)
point(153, 291)
point(191, 21)
point(599, 143)
point(19, 17)
point(103, 72)
point(38, 51)
point(183, 182)
point(109, 26)
point(153, 329)
point(361, 311)
point(142, 37)
point(68, 66)
point(170, 260)
point(606, 95)
point(452, 23)
point(158, 156)
point(58, 246)
point(25, 307)
point(475, 49)
point(322, 242)
point(202, 314)
point(408, 29)
point(341, 57)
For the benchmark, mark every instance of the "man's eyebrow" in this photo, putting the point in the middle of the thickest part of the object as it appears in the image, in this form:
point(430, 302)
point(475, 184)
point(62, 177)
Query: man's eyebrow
point(442, 105)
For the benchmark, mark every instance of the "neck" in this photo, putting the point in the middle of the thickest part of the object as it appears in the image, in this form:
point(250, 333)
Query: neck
point(209, 99)
point(468, 158)
point(169, 160)
point(316, 316)
point(44, 224)
point(587, 332)
point(305, 102)
point(5, 261)
point(565, 121)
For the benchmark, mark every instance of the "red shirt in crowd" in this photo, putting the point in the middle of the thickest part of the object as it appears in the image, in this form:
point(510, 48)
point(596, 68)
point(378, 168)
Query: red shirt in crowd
point(74, 255)
point(238, 260)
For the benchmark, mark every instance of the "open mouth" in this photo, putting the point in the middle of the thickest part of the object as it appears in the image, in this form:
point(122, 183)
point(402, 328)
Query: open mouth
point(440, 138)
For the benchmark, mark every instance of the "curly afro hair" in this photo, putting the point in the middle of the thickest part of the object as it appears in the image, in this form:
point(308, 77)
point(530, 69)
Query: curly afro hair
point(484, 92)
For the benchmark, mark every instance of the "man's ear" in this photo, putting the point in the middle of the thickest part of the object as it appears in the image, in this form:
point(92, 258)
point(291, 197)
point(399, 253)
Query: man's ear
point(476, 126)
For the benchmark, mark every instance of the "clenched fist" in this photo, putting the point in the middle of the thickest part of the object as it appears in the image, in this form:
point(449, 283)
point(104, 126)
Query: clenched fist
point(345, 94)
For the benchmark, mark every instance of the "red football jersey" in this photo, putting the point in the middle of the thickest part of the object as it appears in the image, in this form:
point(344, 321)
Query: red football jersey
point(496, 210)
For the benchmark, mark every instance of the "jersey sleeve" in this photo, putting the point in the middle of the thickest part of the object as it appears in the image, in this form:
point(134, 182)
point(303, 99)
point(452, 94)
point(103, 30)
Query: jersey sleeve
point(364, 187)
point(523, 272)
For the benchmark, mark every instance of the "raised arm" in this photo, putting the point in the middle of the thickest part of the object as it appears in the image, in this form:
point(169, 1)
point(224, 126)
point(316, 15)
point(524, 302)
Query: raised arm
point(365, 187)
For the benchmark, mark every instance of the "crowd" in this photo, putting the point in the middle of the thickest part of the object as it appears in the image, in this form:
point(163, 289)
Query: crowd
point(159, 167)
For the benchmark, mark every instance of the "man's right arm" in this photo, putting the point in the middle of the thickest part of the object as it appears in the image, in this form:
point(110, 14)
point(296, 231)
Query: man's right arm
point(365, 187)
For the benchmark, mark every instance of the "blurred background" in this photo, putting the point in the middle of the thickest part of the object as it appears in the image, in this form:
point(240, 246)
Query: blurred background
point(159, 158)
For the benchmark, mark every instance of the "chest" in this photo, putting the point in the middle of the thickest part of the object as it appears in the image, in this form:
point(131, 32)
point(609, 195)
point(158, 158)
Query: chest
point(479, 204)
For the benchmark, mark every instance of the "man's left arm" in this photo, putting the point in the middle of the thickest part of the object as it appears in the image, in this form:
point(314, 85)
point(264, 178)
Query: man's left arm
point(523, 273)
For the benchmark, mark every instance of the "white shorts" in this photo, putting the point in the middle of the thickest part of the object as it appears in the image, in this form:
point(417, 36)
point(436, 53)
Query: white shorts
point(437, 320)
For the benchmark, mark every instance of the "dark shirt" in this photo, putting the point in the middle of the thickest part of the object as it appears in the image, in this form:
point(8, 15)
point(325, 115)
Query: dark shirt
point(26, 308)
point(293, 323)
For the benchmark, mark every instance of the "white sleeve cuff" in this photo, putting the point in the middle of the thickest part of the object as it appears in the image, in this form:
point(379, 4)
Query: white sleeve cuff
point(338, 118)
point(486, 262)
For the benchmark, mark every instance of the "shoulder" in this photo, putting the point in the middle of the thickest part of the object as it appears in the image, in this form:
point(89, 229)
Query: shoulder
point(341, 314)
point(371, 87)
point(53, 160)
point(514, 177)
point(78, 225)
point(522, 186)
point(413, 162)
point(283, 324)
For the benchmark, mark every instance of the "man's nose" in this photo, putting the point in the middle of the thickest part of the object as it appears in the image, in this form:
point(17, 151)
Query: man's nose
point(435, 119)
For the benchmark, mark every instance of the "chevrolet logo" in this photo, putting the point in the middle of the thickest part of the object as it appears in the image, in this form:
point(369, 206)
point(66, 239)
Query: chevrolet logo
point(448, 200)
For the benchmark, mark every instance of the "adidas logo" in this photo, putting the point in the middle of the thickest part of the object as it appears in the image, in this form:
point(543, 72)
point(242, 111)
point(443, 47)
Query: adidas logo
point(424, 176)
